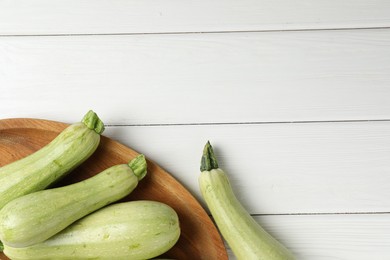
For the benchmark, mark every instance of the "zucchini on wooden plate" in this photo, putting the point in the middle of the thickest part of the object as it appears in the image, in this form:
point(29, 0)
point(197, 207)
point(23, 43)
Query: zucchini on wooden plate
point(37, 216)
point(130, 230)
point(42, 168)
point(198, 239)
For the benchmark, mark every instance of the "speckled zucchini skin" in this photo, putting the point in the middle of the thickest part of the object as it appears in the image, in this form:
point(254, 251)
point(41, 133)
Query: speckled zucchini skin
point(37, 171)
point(247, 239)
point(129, 231)
point(37, 216)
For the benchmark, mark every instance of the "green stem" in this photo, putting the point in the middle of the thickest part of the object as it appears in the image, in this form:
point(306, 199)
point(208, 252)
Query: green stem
point(1, 247)
point(92, 121)
point(209, 161)
point(139, 166)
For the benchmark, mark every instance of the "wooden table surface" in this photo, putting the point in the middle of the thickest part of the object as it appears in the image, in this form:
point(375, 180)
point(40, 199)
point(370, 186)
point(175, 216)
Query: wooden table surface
point(293, 95)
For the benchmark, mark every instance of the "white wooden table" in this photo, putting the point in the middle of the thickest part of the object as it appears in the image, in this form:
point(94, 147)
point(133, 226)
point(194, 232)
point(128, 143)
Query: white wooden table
point(294, 96)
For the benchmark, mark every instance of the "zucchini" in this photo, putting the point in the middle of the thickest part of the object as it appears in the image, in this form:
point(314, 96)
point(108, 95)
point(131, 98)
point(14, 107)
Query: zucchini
point(40, 169)
point(37, 216)
point(247, 239)
point(128, 230)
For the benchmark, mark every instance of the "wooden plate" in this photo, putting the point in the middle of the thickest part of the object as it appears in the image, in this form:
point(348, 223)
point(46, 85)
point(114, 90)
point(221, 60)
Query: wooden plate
point(199, 237)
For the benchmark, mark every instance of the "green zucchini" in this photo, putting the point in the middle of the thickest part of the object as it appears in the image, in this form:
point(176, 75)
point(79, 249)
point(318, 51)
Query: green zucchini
point(128, 230)
point(37, 216)
point(40, 169)
point(247, 239)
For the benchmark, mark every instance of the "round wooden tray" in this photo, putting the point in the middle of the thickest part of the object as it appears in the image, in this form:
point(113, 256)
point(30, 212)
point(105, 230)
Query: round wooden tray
point(199, 238)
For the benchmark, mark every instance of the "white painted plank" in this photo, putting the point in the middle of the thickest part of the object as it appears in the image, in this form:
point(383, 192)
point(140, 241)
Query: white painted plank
point(23, 17)
point(331, 237)
point(279, 168)
point(203, 78)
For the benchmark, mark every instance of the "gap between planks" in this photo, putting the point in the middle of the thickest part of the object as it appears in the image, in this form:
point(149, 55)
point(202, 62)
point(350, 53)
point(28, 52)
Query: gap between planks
point(324, 213)
point(254, 123)
point(199, 32)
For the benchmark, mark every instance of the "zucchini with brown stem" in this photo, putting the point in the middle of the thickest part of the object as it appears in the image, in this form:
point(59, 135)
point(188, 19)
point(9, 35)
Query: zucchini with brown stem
point(247, 239)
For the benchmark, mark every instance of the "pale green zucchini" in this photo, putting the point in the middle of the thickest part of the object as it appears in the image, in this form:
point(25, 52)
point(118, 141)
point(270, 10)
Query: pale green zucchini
point(129, 231)
point(45, 166)
point(37, 216)
point(247, 239)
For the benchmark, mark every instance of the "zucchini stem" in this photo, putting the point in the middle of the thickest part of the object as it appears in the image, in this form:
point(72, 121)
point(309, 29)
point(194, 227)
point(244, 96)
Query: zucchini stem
point(1, 247)
point(209, 161)
point(92, 121)
point(139, 166)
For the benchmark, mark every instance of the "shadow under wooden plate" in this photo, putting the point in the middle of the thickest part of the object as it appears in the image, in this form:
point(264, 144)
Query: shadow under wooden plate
point(199, 237)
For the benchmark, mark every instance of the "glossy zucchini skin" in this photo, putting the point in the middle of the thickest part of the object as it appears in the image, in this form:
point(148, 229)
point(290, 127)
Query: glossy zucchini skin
point(129, 231)
point(35, 217)
point(247, 239)
point(40, 169)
